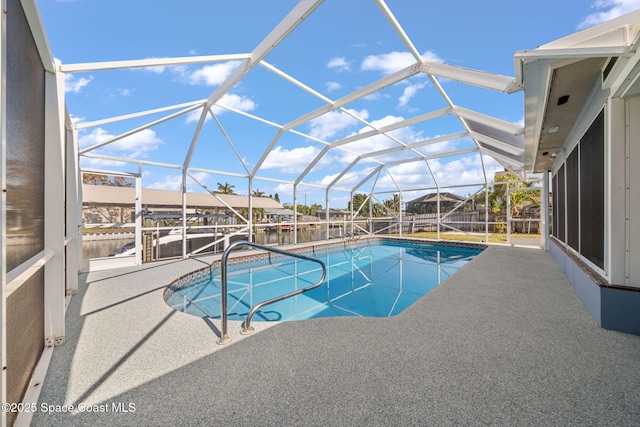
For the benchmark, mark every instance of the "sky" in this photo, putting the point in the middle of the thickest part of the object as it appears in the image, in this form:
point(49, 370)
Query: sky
point(341, 47)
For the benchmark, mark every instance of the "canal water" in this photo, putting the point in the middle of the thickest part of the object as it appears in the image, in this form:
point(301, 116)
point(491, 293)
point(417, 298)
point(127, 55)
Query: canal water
point(102, 248)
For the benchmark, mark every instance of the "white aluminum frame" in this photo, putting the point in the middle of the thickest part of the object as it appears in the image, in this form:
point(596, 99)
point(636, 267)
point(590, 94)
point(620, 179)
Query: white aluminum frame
point(503, 151)
point(3, 213)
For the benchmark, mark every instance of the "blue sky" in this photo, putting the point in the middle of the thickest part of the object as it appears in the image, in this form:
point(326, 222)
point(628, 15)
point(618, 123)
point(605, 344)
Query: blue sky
point(343, 46)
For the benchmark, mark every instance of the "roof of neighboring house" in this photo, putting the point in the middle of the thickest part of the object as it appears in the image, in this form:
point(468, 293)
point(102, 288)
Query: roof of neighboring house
point(433, 198)
point(333, 211)
point(105, 195)
point(280, 211)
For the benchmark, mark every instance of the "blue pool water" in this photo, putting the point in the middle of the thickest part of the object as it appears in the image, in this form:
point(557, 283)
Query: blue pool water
point(379, 280)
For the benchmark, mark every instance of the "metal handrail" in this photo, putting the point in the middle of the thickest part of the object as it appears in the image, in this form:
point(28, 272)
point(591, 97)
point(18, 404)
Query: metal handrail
point(246, 328)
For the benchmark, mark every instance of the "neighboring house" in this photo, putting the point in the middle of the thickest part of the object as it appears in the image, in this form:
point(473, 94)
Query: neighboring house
point(275, 215)
point(429, 203)
point(105, 204)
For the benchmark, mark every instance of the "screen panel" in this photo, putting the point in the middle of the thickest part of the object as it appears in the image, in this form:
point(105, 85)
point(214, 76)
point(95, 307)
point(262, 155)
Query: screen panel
point(25, 141)
point(25, 112)
point(592, 192)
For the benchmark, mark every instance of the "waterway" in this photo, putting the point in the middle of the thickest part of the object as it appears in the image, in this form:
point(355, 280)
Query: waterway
point(102, 248)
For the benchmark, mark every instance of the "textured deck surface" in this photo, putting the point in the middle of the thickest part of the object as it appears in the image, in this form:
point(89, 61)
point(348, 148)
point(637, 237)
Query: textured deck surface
point(504, 341)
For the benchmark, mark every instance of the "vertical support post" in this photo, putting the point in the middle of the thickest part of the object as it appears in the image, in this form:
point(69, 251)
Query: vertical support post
point(3, 217)
point(351, 213)
point(184, 215)
point(74, 212)
point(620, 143)
point(250, 210)
point(508, 193)
point(486, 211)
point(295, 214)
point(438, 213)
point(370, 213)
point(54, 196)
point(400, 210)
point(326, 204)
point(138, 217)
point(544, 217)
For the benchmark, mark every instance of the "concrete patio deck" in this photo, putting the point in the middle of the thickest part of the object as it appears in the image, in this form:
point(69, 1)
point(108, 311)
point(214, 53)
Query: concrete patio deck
point(504, 341)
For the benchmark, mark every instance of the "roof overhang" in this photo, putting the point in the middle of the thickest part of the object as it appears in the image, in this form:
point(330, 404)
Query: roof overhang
point(106, 195)
point(560, 78)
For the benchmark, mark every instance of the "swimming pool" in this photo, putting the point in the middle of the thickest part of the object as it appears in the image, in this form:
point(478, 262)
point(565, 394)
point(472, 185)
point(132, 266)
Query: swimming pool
point(374, 278)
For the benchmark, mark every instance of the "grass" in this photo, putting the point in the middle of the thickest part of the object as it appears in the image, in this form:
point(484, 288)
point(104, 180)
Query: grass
point(473, 237)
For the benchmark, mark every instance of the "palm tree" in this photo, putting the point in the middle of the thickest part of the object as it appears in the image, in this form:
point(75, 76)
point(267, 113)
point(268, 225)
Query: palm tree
point(225, 188)
point(258, 213)
point(498, 197)
point(359, 200)
point(314, 208)
point(393, 204)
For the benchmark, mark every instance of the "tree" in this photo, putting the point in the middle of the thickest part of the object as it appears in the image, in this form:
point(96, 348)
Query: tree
point(358, 200)
point(258, 213)
point(276, 197)
point(314, 208)
point(497, 196)
point(393, 204)
point(99, 179)
point(377, 210)
point(308, 210)
point(109, 214)
point(225, 188)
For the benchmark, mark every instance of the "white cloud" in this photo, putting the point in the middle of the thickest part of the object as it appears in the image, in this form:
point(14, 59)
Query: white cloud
point(409, 92)
point(209, 75)
point(228, 100)
point(391, 62)
point(328, 179)
point(334, 122)
point(339, 64)
point(75, 120)
point(131, 146)
point(381, 142)
point(168, 182)
point(237, 102)
point(331, 86)
point(282, 188)
point(158, 69)
point(608, 9)
point(375, 96)
point(194, 116)
point(75, 84)
point(293, 161)
point(459, 171)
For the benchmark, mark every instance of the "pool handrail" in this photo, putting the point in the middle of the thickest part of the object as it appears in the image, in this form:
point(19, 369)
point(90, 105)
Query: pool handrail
point(246, 328)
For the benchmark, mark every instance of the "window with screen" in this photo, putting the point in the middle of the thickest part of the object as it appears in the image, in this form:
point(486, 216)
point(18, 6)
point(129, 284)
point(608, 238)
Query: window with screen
point(592, 192)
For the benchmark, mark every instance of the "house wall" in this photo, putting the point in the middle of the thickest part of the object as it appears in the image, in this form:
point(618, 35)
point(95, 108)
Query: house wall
point(596, 217)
